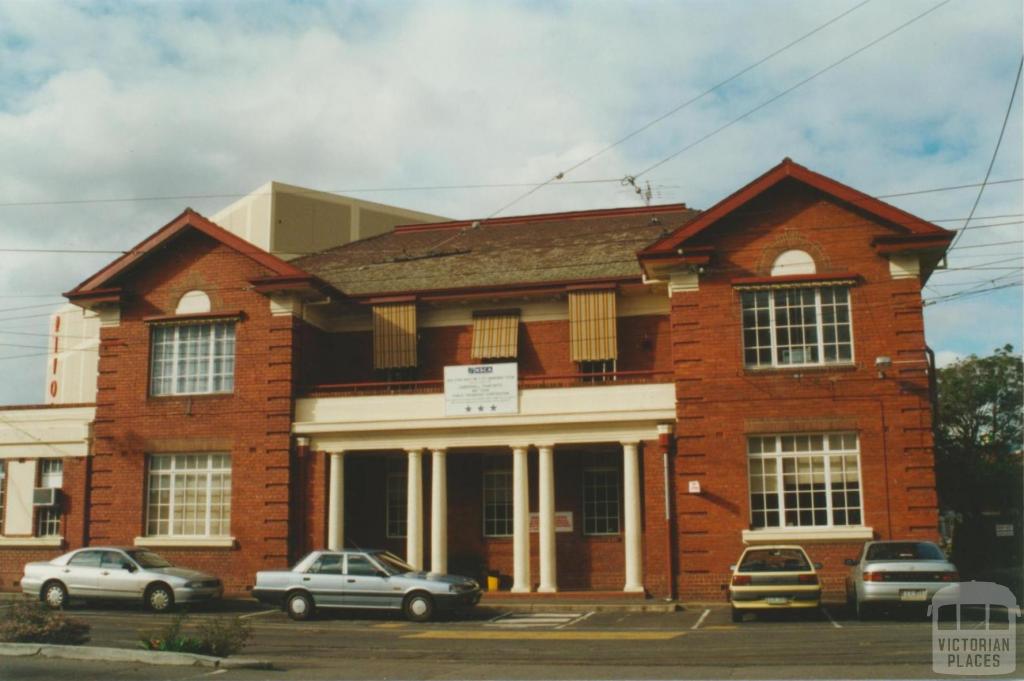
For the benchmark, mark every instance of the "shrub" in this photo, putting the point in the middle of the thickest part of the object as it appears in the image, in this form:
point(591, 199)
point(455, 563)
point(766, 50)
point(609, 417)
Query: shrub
point(221, 636)
point(30, 621)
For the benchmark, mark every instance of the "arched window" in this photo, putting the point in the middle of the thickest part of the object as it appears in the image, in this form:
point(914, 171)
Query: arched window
point(793, 262)
point(193, 302)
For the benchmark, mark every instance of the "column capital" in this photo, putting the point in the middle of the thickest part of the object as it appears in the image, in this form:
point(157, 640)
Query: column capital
point(630, 443)
point(439, 450)
point(302, 440)
point(546, 446)
point(414, 451)
point(519, 446)
point(666, 428)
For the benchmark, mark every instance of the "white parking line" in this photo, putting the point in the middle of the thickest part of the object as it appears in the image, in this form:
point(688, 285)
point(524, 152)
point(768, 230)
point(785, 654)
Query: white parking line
point(256, 614)
point(829, 616)
point(575, 621)
point(700, 621)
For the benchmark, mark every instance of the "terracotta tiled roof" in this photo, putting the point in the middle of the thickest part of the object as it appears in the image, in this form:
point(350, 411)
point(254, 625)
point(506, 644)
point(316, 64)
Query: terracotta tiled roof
point(505, 252)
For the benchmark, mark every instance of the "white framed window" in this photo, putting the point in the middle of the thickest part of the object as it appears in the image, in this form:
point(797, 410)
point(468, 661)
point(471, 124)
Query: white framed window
point(806, 480)
point(397, 500)
point(497, 492)
point(51, 474)
point(797, 327)
point(601, 500)
point(189, 495)
point(193, 359)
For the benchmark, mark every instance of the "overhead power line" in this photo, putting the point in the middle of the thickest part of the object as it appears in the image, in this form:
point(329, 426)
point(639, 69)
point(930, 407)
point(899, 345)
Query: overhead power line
point(558, 177)
point(995, 152)
point(788, 90)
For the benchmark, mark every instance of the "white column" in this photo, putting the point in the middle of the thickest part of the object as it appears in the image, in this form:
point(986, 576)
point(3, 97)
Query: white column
point(336, 503)
point(438, 512)
point(546, 507)
point(520, 521)
point(414, 510)
point(631, 509)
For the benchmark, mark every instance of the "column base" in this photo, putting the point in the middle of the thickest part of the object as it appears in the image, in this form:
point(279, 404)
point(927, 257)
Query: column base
point(633, 588)
point(520, 590)
point(542, 589)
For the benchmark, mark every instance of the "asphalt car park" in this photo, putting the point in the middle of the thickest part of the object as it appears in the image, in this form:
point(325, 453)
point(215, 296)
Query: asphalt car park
point(500, 642)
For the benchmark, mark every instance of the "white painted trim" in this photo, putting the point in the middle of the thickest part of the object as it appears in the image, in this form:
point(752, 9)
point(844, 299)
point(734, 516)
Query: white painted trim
point(171, 542)
point(28, 542)
point(683, 282)
point(904, 266)
point(50, 432)
point(808, 534)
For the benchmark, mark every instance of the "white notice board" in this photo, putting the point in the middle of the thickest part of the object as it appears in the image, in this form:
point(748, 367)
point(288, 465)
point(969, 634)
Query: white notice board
point(481, 389)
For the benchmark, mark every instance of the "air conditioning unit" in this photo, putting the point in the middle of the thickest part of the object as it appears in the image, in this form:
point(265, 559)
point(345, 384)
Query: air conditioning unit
point(45, 496)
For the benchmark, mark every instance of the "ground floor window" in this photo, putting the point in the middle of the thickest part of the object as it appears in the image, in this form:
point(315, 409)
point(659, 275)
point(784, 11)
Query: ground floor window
point(397, 500)
point(497, 499)
point(601, 507)
point(189, 495)
point(51, 475)
point(804, 480)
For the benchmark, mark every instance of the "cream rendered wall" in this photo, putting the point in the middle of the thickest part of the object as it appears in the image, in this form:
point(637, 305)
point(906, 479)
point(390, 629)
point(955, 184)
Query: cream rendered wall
point(73, 356)
point(21, 480)
point(250, 217)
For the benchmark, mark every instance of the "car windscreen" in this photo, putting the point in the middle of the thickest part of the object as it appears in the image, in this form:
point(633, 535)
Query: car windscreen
point(148, 559)
point(392, 563)
point(774, 560)
point(909, 550)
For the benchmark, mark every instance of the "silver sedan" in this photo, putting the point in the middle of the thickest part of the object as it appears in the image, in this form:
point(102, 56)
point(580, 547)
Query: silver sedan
point(117, 573)
point(363, 579)
point(893, 573)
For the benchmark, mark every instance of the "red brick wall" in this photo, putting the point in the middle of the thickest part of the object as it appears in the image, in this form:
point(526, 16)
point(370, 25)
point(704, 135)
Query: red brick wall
point(720, 402)
point(252, 424)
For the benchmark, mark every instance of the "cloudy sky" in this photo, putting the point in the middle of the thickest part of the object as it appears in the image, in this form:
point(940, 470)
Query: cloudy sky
point(115, 116)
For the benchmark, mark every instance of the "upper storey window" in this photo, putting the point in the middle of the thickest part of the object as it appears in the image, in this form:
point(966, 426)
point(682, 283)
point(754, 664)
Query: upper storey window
point(193, 359)
point(785, 327)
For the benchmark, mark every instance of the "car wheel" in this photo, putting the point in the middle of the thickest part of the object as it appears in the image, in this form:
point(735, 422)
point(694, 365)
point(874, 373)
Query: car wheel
point(300, 606)
point(159, 598)
point(54, 595)
point(418, 607)
point(737, 615)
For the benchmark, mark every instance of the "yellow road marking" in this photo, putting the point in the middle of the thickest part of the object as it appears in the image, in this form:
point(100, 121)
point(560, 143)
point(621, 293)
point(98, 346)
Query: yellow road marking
point(720, 627)
point(389, 625)
point(560, 635)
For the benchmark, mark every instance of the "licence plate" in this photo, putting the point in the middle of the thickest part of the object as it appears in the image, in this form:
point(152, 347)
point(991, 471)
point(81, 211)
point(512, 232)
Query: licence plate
point(777, 600)
point(913, 594)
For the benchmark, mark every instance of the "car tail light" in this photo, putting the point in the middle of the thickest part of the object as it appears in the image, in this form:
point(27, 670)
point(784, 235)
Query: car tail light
point(874, 577)
point(741, 580)
point(950, 577)
point(808, 579)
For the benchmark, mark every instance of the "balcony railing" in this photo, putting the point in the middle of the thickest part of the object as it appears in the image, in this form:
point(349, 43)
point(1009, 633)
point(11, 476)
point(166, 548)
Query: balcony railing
point(525, 383)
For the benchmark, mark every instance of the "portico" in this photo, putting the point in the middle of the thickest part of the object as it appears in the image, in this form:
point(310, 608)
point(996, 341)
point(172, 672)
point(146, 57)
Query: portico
point(594, 455)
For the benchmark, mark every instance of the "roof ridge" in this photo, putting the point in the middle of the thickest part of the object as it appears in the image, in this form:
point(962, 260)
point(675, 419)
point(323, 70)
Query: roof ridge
point(542, 217)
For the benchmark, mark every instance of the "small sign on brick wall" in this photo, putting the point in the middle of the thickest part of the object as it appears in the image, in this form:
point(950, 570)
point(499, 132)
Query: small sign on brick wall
point(563, 521)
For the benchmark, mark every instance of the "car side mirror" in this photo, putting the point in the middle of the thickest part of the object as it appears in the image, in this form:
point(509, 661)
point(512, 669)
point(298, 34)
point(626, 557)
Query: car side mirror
point(850, 561)
point(381, 573)
point(128, 566)
point(732, 568)
point(818, 566)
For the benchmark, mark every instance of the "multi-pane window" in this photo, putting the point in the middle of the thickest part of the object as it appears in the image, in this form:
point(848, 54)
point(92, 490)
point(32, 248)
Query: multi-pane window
point(497, 500)
point(601, 505)
point(190, 359)
point(397, 495)
point(804, 480)
point(596, 370)
point(51, 474)
point(189, 495)
point(796, 326)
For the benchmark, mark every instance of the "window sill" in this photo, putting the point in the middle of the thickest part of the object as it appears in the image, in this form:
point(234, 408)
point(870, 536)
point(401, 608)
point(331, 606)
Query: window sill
point(13, 542)
point(797, 369)
point(186, 542)
point(782, 535)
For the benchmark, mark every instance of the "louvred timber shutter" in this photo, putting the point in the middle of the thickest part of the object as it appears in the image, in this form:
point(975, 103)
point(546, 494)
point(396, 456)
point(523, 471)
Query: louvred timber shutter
point(394, 335)
point(495, 334)
point(592, 320)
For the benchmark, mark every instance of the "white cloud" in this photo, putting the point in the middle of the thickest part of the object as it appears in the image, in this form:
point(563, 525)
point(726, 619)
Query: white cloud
point(181, 98)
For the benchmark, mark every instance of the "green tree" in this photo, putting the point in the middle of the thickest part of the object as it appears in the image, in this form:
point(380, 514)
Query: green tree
point(978, 434)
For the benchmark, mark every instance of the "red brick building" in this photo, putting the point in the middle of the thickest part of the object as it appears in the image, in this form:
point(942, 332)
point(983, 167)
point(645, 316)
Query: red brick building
point(601, 400)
